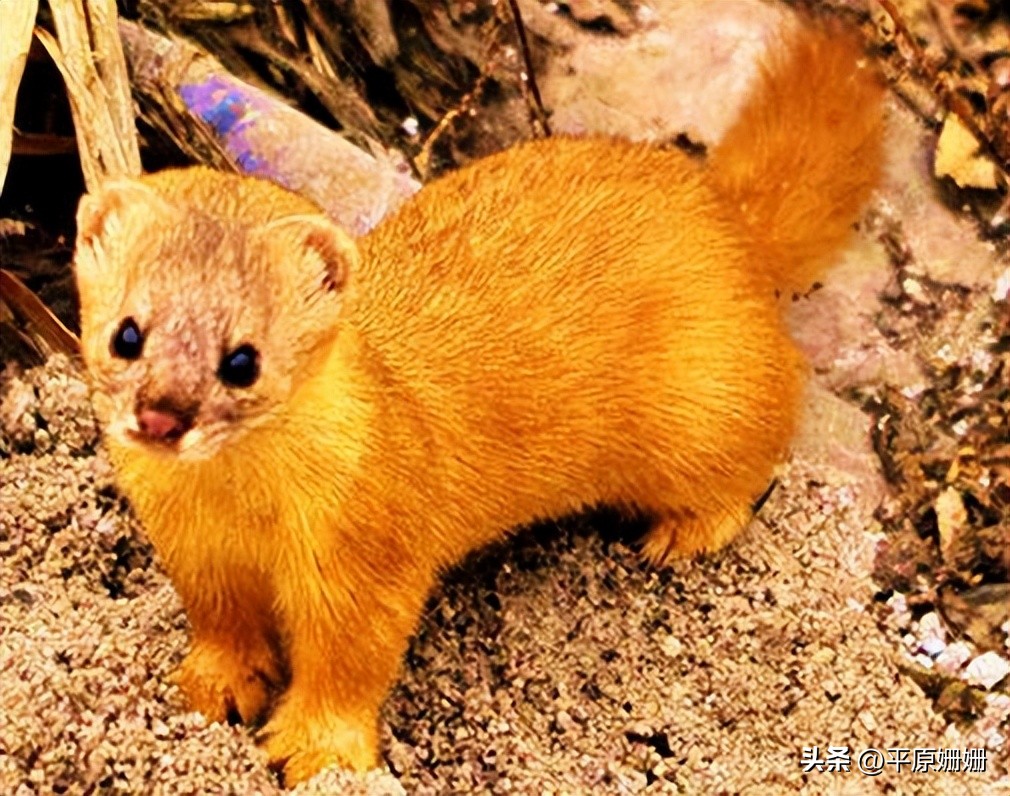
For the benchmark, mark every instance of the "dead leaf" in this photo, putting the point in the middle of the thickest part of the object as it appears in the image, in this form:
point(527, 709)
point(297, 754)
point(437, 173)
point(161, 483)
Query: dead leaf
point(958, 157)
point(950, 516)
point(979, 613)
point(960, 701)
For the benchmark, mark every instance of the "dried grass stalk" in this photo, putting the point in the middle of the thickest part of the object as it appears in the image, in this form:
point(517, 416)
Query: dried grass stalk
point(39, 321)
point(90, 58)
point(16, 38)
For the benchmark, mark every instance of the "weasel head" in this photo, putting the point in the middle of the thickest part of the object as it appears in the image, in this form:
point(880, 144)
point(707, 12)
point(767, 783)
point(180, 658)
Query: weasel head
point(197, 325)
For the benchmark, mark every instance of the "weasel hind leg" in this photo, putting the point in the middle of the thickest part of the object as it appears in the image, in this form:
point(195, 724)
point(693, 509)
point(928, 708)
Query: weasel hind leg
point(686, 532)
point(683, 533)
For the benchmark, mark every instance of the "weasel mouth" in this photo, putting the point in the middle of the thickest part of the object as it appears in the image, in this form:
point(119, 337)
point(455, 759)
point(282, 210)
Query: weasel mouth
point(190, 446)
point(160, 426)
point(171, 442)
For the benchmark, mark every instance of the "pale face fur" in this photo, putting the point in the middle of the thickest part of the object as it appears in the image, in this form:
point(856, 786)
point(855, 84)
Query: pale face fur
point(199, 285)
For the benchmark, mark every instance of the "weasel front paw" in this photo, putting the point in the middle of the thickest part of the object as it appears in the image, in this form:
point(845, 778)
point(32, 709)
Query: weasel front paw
point(227, 684)
point(302, 739)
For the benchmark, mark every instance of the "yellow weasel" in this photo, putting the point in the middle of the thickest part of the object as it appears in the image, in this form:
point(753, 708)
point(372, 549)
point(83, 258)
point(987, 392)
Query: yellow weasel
point(311, 427)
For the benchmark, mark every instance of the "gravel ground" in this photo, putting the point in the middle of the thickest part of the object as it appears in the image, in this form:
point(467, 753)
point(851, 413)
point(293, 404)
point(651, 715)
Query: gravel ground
point(555, 663)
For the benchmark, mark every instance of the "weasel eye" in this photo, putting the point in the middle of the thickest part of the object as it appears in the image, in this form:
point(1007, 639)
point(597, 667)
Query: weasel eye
point(128, 341)
point(241, 367)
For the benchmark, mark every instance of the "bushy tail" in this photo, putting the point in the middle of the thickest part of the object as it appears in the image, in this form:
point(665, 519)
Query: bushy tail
point(801, 159)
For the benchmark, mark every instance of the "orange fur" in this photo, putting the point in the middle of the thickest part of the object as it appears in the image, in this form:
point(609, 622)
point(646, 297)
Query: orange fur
point(568, 323)
point(804, 153)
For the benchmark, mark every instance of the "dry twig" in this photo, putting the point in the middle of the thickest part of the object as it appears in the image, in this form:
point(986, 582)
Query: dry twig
point(19, 18)
point(90, 58)
point(421, 161)
point(953, 102)
point(30, 310)
point(528, 77)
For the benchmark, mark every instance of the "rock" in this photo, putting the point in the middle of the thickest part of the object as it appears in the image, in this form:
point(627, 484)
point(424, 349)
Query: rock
point(987, 669)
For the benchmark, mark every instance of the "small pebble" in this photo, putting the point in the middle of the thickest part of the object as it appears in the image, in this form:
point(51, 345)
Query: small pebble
point(987, 669)
point(953, 657)
point(563, 721)
point(867, 720)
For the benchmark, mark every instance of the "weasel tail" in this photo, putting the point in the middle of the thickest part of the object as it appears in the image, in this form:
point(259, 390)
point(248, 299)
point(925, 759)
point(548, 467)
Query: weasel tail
point(805, 152)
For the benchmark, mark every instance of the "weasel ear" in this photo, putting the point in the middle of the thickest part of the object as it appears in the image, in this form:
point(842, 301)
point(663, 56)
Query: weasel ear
point(100, 217)
point(104, 208)
point(327, 253)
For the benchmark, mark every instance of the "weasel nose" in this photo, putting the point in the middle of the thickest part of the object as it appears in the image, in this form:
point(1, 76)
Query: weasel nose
point(163, 426)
